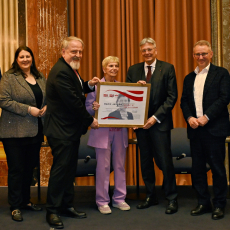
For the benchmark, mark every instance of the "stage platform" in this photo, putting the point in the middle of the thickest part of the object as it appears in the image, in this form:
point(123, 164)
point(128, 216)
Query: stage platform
point(152, 218)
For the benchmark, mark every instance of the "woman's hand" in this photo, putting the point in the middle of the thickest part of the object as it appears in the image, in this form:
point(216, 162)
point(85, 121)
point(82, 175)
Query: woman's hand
point(33, 111)
point(142, 82)
point(95, 106)
point(43, 111)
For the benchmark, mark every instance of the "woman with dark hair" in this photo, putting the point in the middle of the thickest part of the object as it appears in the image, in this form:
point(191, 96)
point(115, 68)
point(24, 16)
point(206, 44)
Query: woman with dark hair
point(22, 99)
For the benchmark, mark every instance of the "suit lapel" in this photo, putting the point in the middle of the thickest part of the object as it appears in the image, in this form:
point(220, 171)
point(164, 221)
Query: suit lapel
point(190, 84)
point(141, 72)
point(24, 84)
point(210, 77)
point(156, 78)
point(72, 72)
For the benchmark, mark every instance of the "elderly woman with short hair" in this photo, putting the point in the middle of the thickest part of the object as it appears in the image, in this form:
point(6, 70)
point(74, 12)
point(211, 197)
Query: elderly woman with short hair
point(105, 141)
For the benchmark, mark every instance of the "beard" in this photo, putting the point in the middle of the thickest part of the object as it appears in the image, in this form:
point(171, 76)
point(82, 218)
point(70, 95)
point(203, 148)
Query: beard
point(75, 64)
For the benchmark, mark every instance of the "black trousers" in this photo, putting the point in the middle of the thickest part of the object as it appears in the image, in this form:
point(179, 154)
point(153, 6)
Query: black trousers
point(157, 144)
point(21, 161)
point(60, 192)
point(211, 149)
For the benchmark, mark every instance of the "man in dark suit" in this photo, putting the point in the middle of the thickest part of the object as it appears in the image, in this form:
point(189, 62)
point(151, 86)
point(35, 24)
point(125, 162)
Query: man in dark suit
point(154, 138)
point(66, 120)
point(206, 94)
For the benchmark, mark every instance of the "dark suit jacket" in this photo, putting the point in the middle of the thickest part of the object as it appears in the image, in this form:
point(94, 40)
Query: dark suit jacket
point(163, 93)
point(216, 97)
point(66, 116)
point(117, 114)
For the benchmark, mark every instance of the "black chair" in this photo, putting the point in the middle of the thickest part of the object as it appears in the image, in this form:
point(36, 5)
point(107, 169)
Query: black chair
point(180, 146)
point(87, 162)
point(86, 158)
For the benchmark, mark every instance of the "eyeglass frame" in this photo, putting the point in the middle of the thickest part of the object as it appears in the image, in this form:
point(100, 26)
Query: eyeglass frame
point(149, 50)
point(197, 55)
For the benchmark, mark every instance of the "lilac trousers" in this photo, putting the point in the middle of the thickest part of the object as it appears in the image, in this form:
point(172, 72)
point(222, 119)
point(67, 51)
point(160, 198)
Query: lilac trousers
point(103, 156)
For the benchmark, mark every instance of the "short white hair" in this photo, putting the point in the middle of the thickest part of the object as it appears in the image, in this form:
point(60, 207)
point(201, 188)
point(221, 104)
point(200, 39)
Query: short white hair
point(67, 40)
point(148, 40)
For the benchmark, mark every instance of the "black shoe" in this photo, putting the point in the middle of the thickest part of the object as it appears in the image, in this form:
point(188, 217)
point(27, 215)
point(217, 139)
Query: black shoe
point(218, 213)
point(172, 207)
point(71, 212)
point(17, 215)
point(32, 207)
point(201, 209)
point(147, 203)
point(54, 220)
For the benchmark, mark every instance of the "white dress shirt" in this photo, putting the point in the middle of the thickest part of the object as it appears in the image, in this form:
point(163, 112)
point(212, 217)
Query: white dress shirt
point(198, 89)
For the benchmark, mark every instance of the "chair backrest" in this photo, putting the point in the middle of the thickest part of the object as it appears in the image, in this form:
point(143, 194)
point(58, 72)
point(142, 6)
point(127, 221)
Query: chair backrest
point(86, 165)
point(179, 142)
point(84, 149)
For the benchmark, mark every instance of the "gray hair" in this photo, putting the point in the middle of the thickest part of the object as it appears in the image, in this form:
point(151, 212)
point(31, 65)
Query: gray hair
point(67, 40)
point(203, 43)
point(148, 40)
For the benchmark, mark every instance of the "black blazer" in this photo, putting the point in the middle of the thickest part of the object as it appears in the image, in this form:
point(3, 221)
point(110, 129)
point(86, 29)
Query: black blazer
point(163, 94)
point(216, 97)
point(66, 117)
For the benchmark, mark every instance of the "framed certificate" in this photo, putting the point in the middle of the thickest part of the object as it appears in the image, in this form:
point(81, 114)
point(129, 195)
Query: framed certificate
point(122, 104)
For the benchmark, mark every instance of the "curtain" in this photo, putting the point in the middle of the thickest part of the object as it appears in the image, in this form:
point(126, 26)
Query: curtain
point(115, 27)
point(8, 32)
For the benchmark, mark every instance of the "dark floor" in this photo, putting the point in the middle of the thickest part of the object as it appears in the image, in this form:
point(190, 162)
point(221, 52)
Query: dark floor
point(152, 218)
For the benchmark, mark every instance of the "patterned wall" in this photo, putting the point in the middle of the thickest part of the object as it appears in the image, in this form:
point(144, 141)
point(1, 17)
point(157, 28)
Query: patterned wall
point(221, 45)
point(226, 33)
point(47, 27)
point(220, 32)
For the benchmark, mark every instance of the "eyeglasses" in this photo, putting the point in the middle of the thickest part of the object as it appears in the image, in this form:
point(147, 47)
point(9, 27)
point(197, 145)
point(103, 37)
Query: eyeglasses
point(145, 50)
point(197, 55)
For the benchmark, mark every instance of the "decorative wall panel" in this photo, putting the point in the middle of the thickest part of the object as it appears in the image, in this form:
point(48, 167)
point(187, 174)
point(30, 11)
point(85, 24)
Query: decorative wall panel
point(47, 26)
point(50, 20)
point(220, 32)
point(8, 32)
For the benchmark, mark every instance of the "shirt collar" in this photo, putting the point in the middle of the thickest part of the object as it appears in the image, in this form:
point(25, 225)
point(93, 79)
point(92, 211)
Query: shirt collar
point(206, 69)
point(153, 64)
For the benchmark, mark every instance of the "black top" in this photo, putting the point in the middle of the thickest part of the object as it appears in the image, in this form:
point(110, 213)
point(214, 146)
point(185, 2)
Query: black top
point(39, 137)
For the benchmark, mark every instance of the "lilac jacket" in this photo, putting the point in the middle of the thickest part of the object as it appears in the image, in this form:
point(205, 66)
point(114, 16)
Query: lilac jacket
point(99, 138)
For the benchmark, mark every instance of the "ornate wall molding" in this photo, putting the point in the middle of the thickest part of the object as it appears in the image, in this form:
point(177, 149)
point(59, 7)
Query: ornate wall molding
point(51, 30)
point(220, 32)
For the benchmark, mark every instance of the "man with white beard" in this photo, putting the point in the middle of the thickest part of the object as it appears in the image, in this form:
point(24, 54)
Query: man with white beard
point(66, 120)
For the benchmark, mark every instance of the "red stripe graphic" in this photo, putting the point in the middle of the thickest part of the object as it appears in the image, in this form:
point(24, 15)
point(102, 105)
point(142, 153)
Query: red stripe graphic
point(135, 92)
point(110, 117)
point(129, 96)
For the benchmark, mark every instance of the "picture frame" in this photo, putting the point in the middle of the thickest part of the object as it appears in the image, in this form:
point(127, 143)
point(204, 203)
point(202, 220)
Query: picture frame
point(122, 104)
